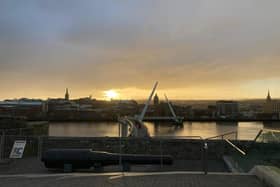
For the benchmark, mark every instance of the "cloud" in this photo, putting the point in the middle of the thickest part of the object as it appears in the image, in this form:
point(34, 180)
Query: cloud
point(96, 45)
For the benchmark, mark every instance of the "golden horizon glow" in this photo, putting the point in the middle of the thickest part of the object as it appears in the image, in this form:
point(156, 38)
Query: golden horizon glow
point(253, 90)
point(111, 94)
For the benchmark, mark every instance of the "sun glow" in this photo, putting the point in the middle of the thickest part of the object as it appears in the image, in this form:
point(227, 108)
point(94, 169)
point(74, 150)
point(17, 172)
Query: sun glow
point(111, 94)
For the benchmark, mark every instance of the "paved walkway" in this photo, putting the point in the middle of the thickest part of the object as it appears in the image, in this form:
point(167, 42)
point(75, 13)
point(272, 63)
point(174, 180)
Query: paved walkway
point(131, 179)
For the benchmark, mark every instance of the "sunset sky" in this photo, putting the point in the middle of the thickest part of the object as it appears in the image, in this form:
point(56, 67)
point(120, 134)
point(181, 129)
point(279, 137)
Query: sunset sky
point(196, 49)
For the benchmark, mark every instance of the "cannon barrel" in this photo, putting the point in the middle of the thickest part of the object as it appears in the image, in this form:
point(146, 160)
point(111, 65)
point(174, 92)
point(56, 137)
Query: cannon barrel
point(86, 158)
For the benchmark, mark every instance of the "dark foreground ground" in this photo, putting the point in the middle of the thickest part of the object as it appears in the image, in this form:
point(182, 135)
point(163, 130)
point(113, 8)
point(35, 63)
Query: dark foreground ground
point(131, 179)
point(31, 172)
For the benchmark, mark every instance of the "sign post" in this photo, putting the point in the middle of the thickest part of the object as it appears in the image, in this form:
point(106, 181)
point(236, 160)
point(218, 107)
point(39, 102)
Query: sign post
point(18, 149)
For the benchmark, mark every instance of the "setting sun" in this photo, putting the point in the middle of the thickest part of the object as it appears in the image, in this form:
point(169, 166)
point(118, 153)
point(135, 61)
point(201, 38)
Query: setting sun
point(111, 94)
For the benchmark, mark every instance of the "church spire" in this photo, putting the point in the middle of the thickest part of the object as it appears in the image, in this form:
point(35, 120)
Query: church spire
point(268, 98)
point(66, 94)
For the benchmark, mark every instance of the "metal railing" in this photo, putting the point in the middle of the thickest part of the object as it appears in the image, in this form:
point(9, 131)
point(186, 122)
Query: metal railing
point(33, 145)
point(235, 147)
point(223, 135)
point(268, 135)
point(15, 131)
point(160, 145)
point(228, 141)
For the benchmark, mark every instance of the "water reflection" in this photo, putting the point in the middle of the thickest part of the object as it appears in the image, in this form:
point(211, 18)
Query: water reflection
point(246, 130)
point(84, 129)
point(164, 129)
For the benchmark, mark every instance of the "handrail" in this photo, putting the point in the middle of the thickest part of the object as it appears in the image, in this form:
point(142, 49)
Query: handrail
point(258, 135)
point(176, 137)
point(235, 147)
point(273, 135)
point(271, 130)
point(228, 141)
point(15, 129)
point(222, 135)
point(266, 130)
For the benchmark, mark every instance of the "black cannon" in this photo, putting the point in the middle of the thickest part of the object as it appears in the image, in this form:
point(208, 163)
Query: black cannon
point(86, 158)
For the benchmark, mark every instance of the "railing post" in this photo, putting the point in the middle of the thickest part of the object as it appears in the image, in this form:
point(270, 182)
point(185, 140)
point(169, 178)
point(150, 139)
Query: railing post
point(2, 145)
point(205, 158)
point(1, 139)
point(39, 147)
point(260, 132)
point(161, 153)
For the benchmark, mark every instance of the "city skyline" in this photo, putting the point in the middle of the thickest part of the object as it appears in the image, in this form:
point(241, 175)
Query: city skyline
point(114, 94)
point(196, 49)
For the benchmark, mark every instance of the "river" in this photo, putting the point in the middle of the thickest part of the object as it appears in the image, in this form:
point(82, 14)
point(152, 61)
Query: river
point(246, 130)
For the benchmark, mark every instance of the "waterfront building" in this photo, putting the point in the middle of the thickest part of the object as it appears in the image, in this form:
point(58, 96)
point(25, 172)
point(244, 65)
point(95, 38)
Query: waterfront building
point(271, 106)
point(61, 104)
point(211, 109)
point(227, 108)
point(29, 108)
